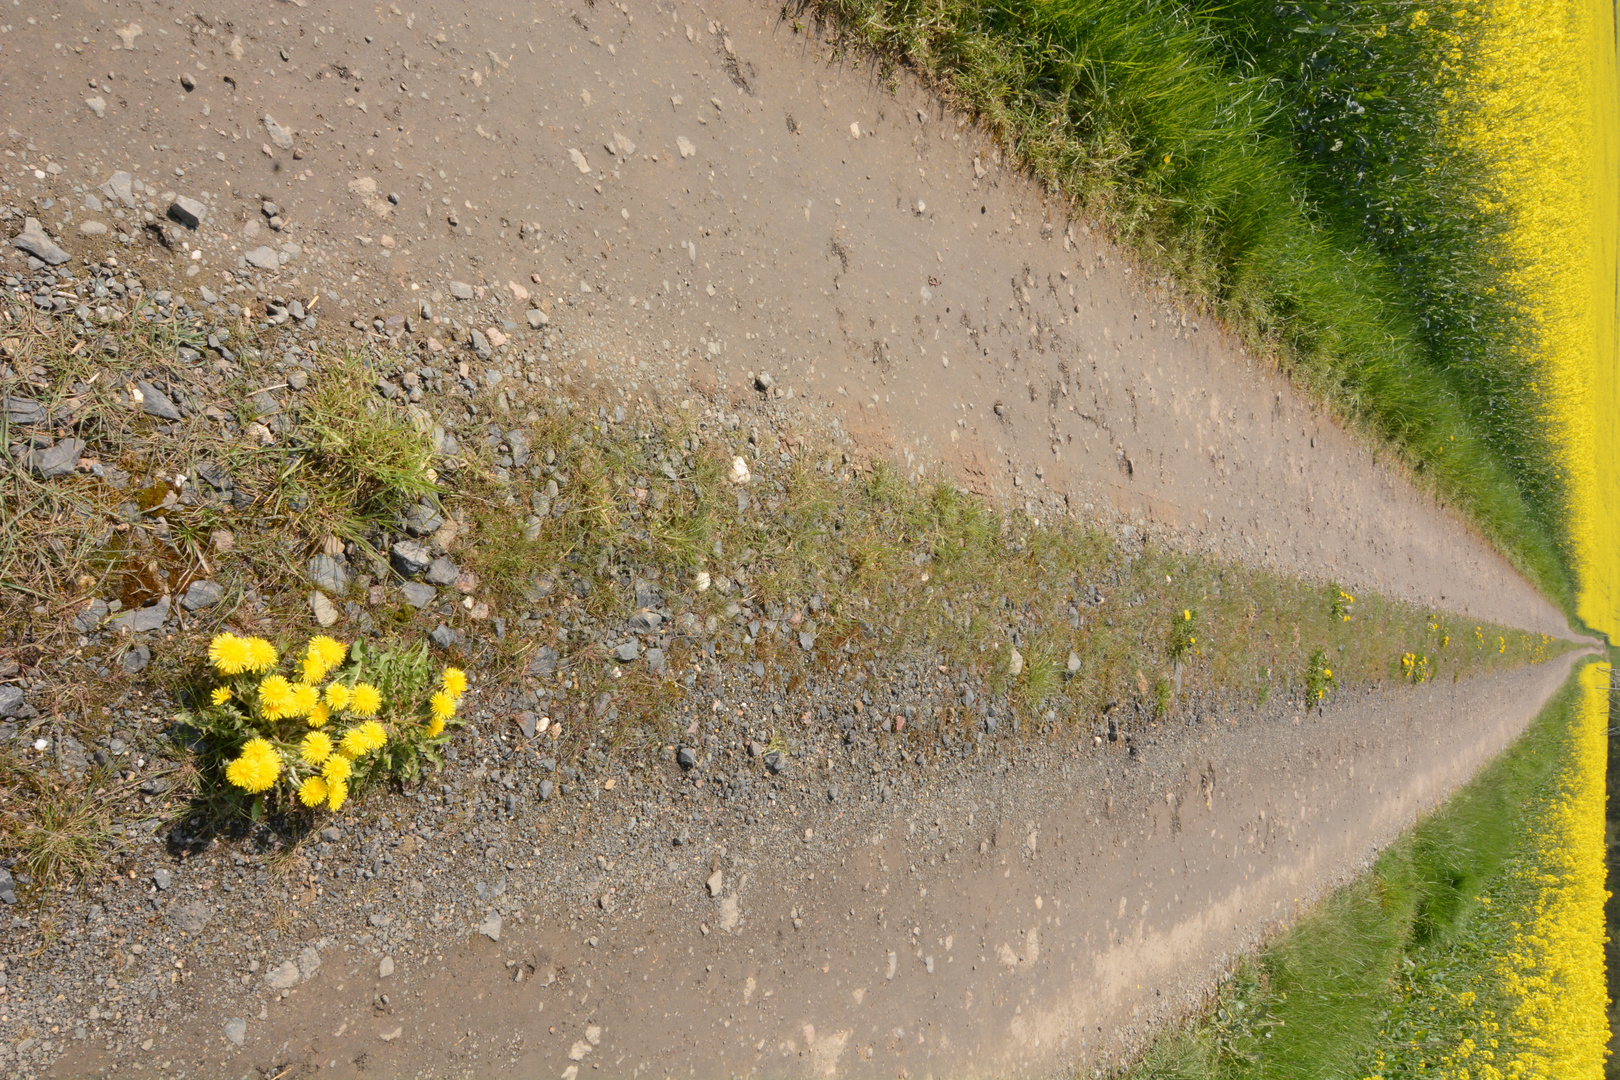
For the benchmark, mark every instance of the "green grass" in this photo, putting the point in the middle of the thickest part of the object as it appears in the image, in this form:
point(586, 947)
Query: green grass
point(1352, 983)
point(1286, 162)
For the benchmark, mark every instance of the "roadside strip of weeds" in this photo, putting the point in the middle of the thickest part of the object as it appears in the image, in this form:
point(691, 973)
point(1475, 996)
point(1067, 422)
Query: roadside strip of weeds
point(604, 572)
point(1473, 946)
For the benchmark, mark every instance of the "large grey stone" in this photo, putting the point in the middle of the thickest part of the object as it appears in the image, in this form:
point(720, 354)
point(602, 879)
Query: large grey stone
point(143, 619)
point(236, 1030)
point(283, 976)
point(11, 700)
point(201, 594)
point(192, 917)
point(461, 290)
point(89, 617)
point(54, 461)
point(441, 572)
point(121, 186)
point(329, 575)
point(155, 402)
point(417, 594)
point(278, 134)
point(410, 558)
point(21, 410)
point(33, 239)
point(265, 258)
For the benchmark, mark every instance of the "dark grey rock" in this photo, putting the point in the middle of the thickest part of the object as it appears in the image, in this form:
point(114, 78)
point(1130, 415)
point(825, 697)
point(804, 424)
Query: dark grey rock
point(143, 619)
point(11, 700)
point(627, 651)
point(21, 410)
point(70, 755)
point(192, 918)
point(686, 757)
point(34, 240)
point(417, 594)
point(54, 461)
point(155, 402)
point(329, 575)
point(656, 663)
point(136, 659)
point(187, 211)
point(155, 785)
point(201, 594)
point(546, 787)
point(423, 520)
point(442, 571)
point(776, 762)
point(410, 558)
point(645, 622)
point(443, 636)
point(332, 834)
point(527, 720)
point(544, 662)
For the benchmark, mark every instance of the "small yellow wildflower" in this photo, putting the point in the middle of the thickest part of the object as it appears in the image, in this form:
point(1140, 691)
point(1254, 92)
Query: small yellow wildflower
point(337, 768)
point(261, 655)
point(229, 654)
point(319, 715)
point(312, 792)
point(221, 695)
point(304, 699)
point(275, 697)
point(364, 738)
point(454, 681)
point(365, 700)
point(443, 705)
point(336, 793)
point(316, 748)
point(321, 656)
point(435, 728)
point(337, 696)
point(257, 767)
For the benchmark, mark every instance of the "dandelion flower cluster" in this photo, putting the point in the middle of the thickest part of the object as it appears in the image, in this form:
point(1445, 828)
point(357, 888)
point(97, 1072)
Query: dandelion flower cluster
point(313, 791)
point(321, 656)
point(363, 738)
point(337, 696)
point(442, 705)
point(232, 655)
point(257, 767)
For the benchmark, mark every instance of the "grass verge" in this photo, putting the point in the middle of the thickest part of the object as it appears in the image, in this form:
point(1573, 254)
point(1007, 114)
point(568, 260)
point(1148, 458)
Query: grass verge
point(1441, 960)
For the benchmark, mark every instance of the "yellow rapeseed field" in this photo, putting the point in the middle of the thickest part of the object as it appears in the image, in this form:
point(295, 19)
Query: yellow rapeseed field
point(1556, 1023)
point(1547, 120)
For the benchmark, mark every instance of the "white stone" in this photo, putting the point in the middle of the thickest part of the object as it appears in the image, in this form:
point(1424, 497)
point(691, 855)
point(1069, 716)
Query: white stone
point(739, 471)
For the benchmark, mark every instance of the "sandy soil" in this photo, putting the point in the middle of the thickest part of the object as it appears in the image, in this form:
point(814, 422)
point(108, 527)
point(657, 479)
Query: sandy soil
point(708, 199)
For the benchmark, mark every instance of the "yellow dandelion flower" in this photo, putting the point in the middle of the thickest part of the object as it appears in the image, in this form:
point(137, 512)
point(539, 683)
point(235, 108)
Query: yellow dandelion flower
point(336, 794)
point(322, 655)
point(261, 655)
point(221, 695)
point(454, 681)
point(364, 738)
point(319, 715)
point(443, 705)
point(337, 768)
point(435, 727)
point(257, 767)
point(316, 748)
point(312, 792)
point(337, 696)
point(229, 654)
point(275, 697)
point(365, 700)
point(304, 699)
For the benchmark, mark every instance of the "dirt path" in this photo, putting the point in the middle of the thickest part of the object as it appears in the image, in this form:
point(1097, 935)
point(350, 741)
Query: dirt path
point(763, 213)
point(748, 209)
point(1041, 920)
